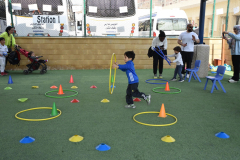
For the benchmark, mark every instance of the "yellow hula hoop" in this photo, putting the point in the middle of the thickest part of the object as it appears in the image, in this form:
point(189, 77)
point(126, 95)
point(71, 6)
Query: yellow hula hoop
point(155, 125)
point(110, 74)
point(24, 119)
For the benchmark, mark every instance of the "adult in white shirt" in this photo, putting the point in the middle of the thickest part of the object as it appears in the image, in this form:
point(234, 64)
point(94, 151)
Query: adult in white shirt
point(186, 40)
point(160, 41)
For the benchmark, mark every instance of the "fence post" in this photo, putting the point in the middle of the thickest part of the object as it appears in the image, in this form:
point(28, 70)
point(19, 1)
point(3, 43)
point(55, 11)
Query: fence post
point(227, 16)
point(84, 14)
point(214, 4)
point(212, 53)
point(223, 48)
point(11, 14)
point(150, 19)
point(202, 19)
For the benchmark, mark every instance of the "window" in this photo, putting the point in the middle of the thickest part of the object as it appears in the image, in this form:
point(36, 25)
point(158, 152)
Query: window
point(25, 10)
point(145, 25)
point(176, 24)
point(110, 8)
point(209, 27)
point(223, 21)
point(238, 20)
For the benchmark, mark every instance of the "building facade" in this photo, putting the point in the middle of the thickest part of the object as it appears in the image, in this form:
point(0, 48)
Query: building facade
point(192, 9)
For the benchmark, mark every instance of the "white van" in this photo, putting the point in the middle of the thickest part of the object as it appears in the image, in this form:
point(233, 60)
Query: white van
point(172, 22)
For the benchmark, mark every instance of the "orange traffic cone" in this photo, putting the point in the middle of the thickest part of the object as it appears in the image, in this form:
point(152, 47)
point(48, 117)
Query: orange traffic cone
point(71, 79)
point(60, 91)
point(167, 87)
point(162, 112)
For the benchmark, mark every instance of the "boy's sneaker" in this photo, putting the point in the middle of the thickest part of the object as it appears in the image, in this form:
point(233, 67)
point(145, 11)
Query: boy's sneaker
point(148, 99)
point(187, 75)
point(130, 106)
point(160, 76)
point(173, 79)
point(2, 74)
point(181, 80)
point(46, 60)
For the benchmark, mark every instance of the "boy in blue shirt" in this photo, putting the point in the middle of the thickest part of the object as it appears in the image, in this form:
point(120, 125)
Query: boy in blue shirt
point(132, 90)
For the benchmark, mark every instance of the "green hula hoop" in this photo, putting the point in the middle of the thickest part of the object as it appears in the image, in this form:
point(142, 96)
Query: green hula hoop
point(76, 93)
point(179, 90)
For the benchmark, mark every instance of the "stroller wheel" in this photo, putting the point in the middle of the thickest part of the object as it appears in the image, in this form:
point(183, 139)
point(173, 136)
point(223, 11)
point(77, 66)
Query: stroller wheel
point(25, 72)
point(42, 72)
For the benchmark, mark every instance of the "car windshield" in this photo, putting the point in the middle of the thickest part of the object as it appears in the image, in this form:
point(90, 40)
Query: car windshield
point(177, 24)
point(110, 9)
point(145, 25)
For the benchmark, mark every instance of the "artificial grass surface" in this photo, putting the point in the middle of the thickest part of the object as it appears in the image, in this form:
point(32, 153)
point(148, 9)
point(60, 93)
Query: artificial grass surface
point(200, 116)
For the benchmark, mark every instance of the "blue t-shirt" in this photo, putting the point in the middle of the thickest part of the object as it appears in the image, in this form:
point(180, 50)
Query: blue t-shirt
point(130, 71)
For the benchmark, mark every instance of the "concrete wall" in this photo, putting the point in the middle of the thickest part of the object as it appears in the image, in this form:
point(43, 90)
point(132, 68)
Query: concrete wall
point(216, 50)
point(95, 53)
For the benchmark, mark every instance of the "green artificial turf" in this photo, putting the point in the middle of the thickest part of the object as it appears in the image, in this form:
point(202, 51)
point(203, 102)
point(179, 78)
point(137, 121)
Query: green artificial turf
point(200, 116)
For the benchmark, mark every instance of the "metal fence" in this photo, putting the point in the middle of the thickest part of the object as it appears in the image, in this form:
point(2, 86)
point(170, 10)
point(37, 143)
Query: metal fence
point(118, 18)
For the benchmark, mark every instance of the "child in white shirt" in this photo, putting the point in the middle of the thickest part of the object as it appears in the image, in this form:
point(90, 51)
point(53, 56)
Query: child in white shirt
point(179, 62)
point(3, 55)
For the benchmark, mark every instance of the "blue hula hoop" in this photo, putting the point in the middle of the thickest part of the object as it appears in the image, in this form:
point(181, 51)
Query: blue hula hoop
point(166, 58)
point(156, 79)
point(160, 53)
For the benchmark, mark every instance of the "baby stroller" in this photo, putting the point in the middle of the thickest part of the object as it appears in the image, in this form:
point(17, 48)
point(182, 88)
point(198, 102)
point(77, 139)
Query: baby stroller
point(34, 65)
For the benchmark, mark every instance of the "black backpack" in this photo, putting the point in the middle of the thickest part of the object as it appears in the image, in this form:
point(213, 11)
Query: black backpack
point(14, 58)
